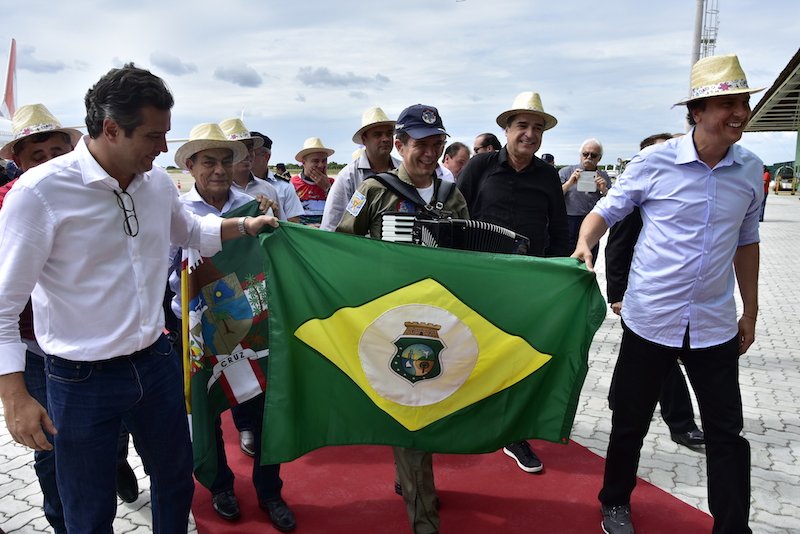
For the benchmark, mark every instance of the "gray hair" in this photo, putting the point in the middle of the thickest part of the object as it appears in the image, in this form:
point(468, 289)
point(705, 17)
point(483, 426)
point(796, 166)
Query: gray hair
point(591, 141)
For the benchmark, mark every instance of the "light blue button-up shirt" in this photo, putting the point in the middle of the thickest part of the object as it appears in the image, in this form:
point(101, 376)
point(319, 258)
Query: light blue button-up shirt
point(694, 218)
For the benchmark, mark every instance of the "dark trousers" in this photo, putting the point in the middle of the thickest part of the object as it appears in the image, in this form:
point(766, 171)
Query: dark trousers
point(266, 478)
point(675, 402)
point(714, 373)
point(574, 223)
point(414, 470)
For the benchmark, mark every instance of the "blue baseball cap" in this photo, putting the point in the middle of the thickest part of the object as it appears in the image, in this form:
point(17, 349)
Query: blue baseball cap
point(420, 121)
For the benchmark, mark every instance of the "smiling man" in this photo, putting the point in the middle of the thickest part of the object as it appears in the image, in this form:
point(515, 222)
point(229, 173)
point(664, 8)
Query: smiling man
point(420, 140)
point(210, 157)
point(87, 236)
point(700, 197)
point(516, 190)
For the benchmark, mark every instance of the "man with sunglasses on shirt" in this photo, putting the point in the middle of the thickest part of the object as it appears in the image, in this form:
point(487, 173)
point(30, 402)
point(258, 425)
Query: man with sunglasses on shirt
point(578, 198)
point(87, 236)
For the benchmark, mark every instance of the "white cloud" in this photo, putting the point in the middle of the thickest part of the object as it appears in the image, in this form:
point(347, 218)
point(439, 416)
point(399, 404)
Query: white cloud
point(609, 70)
point(172, 64)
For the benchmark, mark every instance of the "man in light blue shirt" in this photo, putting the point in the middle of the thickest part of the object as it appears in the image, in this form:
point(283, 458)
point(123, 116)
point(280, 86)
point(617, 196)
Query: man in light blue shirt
point(699, 196)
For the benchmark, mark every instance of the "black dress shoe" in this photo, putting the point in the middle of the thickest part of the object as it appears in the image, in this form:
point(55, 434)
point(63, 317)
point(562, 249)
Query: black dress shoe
point(127, 485)
point(280, 515)
point(226, 505)
point(692, 439)
point(247, 442)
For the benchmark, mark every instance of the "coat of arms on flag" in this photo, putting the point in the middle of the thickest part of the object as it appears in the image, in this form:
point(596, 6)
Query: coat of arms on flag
point(226, 337)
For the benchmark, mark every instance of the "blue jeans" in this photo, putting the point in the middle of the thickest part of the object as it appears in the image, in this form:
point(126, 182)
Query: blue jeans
point(44, 462)
point(89, 402)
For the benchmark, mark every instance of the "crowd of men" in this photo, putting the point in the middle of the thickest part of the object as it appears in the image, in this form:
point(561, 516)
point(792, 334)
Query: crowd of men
point(91, 229)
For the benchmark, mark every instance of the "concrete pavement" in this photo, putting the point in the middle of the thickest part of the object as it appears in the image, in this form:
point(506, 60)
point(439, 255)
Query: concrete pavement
point(770, 380)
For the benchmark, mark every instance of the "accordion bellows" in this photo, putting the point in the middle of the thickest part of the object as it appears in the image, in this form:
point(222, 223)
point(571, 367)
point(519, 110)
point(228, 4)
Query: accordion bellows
point(460, 234)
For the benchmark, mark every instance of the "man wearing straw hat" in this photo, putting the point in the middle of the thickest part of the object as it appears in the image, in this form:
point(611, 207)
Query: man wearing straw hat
point(243, 178)
point(39, 137)
point(209, 156)
point(699, 196)
point(87, 235)
point(313, 183)
point(516, 190)
point(376, 134)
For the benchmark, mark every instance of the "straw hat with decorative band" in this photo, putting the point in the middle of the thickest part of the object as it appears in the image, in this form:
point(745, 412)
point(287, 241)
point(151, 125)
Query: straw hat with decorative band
point(33, 119)
point(207, 136)
point(312, 144)
point(235, 130)
point(527, 102)
point(718, 76)
point(369, 119)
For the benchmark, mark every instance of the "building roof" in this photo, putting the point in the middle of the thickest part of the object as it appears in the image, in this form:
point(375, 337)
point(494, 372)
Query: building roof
point(779, 108)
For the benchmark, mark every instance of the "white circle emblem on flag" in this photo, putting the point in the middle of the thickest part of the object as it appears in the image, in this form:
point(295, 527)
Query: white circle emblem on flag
point(417, 355)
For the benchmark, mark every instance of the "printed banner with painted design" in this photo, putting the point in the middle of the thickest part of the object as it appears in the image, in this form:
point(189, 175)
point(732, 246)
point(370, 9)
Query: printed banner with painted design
point(442, 350)
point(226, 337)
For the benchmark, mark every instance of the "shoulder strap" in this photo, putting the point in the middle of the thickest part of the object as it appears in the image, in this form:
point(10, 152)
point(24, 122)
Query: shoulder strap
point(407, 191)
point(444, 190)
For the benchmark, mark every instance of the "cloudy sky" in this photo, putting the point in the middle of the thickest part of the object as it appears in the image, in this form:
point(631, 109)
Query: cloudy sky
point(609, 69)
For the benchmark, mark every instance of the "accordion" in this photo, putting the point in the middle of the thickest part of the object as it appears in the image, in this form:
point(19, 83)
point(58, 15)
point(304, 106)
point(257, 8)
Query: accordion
point(463, 234)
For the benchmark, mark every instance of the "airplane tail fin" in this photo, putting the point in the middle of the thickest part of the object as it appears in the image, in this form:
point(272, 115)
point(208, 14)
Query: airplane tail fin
point(9, 104)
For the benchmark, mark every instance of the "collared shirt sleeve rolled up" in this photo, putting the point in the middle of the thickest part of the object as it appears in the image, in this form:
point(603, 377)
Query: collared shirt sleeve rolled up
point(693, 220)
point(97, 292)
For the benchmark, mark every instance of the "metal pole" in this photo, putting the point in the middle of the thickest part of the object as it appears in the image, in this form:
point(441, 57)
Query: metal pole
point(698, 30)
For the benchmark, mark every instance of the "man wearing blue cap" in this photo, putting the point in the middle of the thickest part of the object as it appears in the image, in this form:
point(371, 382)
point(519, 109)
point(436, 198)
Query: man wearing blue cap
point(420, 140)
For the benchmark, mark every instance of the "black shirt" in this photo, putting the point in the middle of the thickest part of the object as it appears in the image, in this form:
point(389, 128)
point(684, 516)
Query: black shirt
point(529, 202)
point(619, 254)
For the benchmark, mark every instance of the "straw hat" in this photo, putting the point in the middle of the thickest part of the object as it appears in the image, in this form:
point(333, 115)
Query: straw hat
point(369, 119)
point(312, 144)
point(33, 119)
point(204, 137)
point(527, 102)
point(718, 76)
point(235, 130)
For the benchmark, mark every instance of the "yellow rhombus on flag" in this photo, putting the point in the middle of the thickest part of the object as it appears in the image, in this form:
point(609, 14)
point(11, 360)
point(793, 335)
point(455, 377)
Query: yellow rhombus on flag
point(476, 359)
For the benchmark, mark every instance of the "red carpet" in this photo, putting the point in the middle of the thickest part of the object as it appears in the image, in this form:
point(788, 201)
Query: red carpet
point(339, 490)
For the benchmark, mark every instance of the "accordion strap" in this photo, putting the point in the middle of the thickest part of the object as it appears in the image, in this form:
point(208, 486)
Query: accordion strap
point(442, 189)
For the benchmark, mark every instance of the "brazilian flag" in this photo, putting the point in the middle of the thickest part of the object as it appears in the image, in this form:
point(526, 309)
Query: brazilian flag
point(435, 349)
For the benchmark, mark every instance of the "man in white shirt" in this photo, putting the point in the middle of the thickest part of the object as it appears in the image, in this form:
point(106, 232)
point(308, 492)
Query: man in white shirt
point(291, 208)
point(87, 235)
point(243, 178)
point(377, 136)
point(455, 157)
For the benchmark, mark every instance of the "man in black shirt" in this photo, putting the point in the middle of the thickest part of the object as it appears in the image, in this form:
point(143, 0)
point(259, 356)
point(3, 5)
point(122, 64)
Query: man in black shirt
point(516, 190)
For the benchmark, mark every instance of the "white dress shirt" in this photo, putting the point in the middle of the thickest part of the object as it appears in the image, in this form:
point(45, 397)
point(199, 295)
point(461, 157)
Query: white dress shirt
point(287, 196)
point(97, 293)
